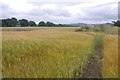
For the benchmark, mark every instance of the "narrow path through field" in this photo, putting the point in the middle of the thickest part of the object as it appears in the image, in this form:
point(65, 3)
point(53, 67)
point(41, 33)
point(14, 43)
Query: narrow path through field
point(94, 66)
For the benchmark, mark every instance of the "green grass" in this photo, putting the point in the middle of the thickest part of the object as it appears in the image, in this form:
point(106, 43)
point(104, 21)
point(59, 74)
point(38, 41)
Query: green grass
point(99, 39)
point(22, 28)
point(50, 57)
point(55, 52)
point(111, 54)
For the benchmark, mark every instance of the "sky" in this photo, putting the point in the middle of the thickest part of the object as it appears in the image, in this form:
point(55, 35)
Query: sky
point(61, 11)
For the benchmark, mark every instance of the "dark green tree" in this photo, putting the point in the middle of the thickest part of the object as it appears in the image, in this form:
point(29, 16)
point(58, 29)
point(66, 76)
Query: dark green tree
point(50, 24)
point(116, 23)
point(0, 22)
point(4, 23)
point(8, 22)
point(32, 23)
point(60, 25)
point(24, 22)
point(14, 21)
point(42, 23)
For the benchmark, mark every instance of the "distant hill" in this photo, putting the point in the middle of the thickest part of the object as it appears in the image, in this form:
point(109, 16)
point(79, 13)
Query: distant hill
point(109, 24)
point(85, 24)
point(76, 24)
point(104, 24)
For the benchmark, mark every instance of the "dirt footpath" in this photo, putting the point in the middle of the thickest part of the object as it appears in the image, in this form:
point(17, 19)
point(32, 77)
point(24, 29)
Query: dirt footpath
point(94, 66)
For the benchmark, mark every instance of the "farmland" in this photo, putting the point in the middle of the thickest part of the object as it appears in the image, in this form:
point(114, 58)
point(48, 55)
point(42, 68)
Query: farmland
point(111, 53)
point(110, 63)
point(55, 52)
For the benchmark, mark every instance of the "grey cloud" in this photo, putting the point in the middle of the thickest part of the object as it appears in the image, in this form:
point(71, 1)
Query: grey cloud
point(100, 13)
point(106, 4)
point(58, 1)
point(59, 12)
point(7, 11)
point(47, 16)
point(58, 15)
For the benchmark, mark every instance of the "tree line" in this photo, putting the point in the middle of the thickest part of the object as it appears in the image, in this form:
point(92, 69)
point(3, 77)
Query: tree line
point(13, 22)
point(116, 23)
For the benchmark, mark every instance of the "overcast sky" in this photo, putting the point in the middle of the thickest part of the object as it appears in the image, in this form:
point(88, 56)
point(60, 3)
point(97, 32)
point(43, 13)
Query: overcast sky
point(61, 11)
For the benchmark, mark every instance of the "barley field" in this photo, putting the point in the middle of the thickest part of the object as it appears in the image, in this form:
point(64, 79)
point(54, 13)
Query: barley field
point(54, 52)
point(110, 62)
point(111, 54)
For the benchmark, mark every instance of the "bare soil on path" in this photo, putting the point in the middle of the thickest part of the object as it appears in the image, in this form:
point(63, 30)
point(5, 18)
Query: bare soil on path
point(94, 66)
